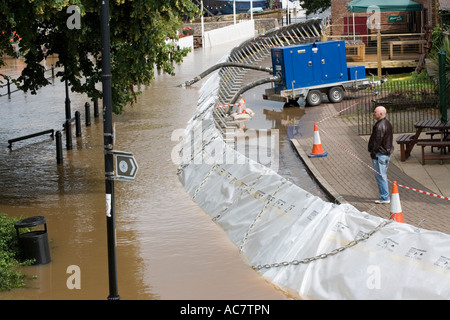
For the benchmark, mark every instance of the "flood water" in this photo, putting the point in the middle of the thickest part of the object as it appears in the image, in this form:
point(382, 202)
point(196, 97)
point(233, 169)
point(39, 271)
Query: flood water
point(167, 247)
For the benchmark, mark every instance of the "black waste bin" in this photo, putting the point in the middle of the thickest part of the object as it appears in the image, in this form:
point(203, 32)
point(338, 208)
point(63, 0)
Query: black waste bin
point(33, 244)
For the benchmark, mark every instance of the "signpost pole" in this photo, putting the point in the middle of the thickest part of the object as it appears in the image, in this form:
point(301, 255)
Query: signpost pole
point(108, 145)
point(442, 85)
point(234, 11)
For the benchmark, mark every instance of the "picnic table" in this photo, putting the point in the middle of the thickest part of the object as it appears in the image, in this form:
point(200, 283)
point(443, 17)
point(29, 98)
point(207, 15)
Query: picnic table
point(436, 126)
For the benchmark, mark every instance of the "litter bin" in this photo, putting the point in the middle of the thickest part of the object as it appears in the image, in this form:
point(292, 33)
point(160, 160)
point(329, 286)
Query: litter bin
point(33, 244)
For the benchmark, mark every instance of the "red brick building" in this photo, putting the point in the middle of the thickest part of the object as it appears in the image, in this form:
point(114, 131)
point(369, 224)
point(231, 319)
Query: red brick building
point(342, 19)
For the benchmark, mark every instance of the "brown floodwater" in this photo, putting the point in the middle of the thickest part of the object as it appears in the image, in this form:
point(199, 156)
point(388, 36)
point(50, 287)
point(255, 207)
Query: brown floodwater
point(167, 247)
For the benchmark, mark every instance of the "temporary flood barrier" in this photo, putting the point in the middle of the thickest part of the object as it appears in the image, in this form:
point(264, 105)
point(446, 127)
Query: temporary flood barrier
point(298, 241)
point(241, 30)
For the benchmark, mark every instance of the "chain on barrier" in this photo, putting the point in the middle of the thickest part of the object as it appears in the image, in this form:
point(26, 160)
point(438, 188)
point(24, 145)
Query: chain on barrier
point(268, 201)
point(324, 255)
point(249, 188)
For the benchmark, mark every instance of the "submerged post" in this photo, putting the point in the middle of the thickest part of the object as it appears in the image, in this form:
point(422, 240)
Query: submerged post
point(108, 145)
point(68, 129)
point(59, 154)
point(77, 124)
point(8, 84)
point(87, 109)
point(96, 114)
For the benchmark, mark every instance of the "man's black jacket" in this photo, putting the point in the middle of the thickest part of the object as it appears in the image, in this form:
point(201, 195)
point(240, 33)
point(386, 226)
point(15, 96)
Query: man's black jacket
point(381, 138)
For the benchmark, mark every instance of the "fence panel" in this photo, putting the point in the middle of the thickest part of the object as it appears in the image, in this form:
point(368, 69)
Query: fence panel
point(406, 102)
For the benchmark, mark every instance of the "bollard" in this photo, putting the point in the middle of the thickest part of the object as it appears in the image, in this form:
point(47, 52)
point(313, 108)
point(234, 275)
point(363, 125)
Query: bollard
point(8, 84)
point(96, 115)
point(77, 124)
point(68, 128)
point(87, 108)
point(59, 154)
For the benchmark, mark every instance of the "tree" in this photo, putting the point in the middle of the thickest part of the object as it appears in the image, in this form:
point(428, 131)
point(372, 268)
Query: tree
point(433, 65)
point(71, 29)
point(315, 6)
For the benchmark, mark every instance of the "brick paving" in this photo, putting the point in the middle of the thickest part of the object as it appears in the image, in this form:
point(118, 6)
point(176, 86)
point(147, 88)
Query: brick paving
point(350, 180)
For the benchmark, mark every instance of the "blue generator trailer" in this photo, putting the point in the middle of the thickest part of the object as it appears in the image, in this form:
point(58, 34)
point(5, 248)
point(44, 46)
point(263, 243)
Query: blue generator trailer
point(309, 71)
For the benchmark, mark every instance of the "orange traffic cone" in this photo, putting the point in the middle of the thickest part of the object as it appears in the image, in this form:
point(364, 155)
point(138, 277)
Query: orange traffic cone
point(317, 150)
point(396, 207)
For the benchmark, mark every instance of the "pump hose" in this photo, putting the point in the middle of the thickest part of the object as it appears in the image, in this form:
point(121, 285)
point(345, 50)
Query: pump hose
point(221, 65)
point(254, 84)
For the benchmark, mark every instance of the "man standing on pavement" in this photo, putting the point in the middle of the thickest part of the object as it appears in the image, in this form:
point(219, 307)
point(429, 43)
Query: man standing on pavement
point(380, 148)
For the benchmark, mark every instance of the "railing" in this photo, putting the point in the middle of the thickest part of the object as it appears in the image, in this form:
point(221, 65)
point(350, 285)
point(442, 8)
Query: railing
point(33, 135)
point(379, 51)
point(67, 128)
point(9, 82)
point(406, 102)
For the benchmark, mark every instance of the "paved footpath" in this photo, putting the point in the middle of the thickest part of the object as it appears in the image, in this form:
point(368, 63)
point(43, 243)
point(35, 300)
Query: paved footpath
point(350, 180)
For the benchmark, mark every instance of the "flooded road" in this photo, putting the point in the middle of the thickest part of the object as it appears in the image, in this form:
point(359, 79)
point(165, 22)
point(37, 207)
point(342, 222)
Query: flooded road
point(167, 247)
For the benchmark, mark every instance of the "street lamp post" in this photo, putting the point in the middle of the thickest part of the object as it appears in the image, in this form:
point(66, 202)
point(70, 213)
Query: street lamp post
point(67, 124)
point(287, 12)
point(234, 11)
point(203, 25)
point(108, 145)
point(67, 101)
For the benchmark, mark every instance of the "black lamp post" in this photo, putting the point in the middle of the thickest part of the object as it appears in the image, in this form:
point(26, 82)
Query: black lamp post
point(108, 145)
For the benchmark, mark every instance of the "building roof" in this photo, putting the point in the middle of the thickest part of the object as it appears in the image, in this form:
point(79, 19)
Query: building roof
point(384, 5)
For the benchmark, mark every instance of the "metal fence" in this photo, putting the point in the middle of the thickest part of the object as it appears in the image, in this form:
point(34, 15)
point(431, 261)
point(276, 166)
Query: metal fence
point(8, 84)
point(406, 102)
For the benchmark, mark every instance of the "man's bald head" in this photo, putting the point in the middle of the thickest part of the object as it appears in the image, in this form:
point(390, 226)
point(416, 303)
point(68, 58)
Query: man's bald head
point(379, 112)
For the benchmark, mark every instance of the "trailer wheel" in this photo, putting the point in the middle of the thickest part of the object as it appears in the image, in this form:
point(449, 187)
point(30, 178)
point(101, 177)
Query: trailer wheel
point(314, 98)
point(336, 94)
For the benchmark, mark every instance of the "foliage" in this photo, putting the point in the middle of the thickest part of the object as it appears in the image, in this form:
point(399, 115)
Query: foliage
point(422, 76)
point(437, 38)
point(443, 44)
point(139, 30)
point(315, 6)
point(10, 277)
point(445, 17)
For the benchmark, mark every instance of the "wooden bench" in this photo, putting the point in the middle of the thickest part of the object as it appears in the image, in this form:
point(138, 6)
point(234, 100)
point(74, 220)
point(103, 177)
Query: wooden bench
point(432, 133)
point(434, 143)
point(402, 43)
point(404, 140)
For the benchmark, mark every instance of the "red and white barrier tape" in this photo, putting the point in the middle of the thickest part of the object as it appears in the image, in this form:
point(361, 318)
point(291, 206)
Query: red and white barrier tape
point(371, 168)
point(337, 113)
point(425, 192)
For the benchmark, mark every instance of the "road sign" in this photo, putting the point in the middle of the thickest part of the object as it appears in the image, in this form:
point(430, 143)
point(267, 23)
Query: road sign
point(126, 166)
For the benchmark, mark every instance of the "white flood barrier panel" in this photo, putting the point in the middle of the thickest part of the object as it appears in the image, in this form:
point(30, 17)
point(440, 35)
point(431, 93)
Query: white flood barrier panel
point(298, 241)
point(241, 30)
